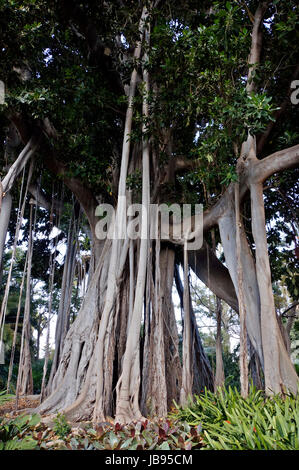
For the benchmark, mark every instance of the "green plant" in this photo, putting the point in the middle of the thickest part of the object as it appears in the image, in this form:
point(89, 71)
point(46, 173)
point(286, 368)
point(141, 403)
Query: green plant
point(14, 433)
point(231, 422)
point(158, 435)
point(61, 426)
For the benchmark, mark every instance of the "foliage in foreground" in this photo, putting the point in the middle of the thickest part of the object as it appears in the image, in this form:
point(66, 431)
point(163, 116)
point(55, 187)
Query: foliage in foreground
point(221, 421)
point(230, 422)
point(14, 434)
point(164, 435)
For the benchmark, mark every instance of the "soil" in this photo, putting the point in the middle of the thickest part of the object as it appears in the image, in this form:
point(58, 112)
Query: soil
point(24, 404)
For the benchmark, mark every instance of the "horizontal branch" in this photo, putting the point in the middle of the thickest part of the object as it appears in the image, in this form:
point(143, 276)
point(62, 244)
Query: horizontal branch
point(213, 274)
point(278, 161)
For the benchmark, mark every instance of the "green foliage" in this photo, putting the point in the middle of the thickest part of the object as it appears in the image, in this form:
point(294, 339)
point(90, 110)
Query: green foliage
point(231, 422)
point(14, 433)
point(158, 435)
point(141, 436)
point(61, 427)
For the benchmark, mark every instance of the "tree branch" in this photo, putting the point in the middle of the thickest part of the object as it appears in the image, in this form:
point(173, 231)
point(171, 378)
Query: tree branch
point(256, 45)
point(278, 161)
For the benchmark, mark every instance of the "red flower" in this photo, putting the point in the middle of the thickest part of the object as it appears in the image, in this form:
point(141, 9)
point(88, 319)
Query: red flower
point(228, 422)
point(254, 430)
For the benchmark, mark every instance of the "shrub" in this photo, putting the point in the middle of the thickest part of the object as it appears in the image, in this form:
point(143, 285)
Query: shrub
point(61, 426)
point(13, 433)
point(230, 422)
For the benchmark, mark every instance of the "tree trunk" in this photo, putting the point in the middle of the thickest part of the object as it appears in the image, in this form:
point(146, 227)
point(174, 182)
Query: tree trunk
point(280, 374)
point(227, 227)
point(219, 375)
point(187, 372)
point(255, 369)
point(25, 381)
point(203, 373)
point(4, 221)
point(127, 391)
point(242, 307)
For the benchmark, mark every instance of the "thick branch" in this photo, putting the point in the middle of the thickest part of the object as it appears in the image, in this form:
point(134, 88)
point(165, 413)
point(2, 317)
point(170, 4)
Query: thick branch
point(278, 161)
point(213, 274)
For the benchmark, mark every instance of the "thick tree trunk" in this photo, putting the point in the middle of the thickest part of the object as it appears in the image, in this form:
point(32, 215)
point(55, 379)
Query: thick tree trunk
point(242, 305)
point(161, 376)
point(188, 340)
point(227, 229)
point(203, 373)
point(127, 391)
point(171, 337)
point(280, 374)
point(74, 385)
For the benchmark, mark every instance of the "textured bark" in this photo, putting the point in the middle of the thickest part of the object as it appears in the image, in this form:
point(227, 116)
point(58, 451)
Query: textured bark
point(4, 221)
point(188, 340)
point(255, 369)
point(214, 275)
point(161, 367)
point(242, 306)
point(219, 375)
point(203, 373)
point(291, 317)
point(120, 224)
point(171, 337)
point(280, 374)
point(74, 384)
point(127, 391)
point(227, 229)
point(103, 344)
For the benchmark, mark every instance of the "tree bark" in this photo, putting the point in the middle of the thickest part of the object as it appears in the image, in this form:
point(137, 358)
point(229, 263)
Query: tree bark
point(219, 375)
point(280, 374)
point(4, 221)
point(242, 305)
